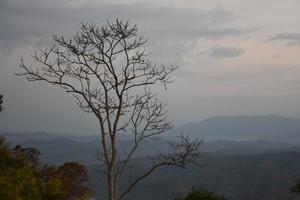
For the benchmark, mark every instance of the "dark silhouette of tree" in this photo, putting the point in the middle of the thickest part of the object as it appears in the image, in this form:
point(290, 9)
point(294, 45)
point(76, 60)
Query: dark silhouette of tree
point(295, 191)
point(296, 188)
point(31, 154)
point(1, 101)
point(108, 71)
point(202, 194)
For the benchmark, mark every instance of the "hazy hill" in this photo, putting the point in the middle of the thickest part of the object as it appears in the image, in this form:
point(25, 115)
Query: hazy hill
point(57, 149)
point(274, 128)
point(238, 177)
point(267, 127)
point(241, 170)
point(237, 164)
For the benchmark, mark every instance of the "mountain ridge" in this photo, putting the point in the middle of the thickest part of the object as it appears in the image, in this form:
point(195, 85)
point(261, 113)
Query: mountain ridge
point(273, 127)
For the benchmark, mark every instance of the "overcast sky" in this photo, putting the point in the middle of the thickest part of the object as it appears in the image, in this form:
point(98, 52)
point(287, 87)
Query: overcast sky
point(235, 57)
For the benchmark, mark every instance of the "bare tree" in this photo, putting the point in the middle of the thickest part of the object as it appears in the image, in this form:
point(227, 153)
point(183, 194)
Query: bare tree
point(106, 69)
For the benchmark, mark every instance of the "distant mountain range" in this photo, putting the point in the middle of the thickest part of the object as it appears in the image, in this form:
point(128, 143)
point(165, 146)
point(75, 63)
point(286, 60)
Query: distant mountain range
point(274, 128)
point(237, 177)
point(245, 157)
point(244, 135)
point(241, 170)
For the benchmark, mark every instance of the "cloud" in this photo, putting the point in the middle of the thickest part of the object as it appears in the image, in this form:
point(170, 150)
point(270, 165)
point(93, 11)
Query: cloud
point(291, 39)
point(226, 52)
point(30, 22)
point(203, 41)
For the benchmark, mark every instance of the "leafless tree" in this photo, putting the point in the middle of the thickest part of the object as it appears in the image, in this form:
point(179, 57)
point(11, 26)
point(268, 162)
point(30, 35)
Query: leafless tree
point(108, 71)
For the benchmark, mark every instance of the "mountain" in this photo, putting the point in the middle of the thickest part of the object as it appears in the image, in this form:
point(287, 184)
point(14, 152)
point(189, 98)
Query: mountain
point(239, 169)
point(274, 128)
point(56, 149)
point(237, 177)
point(59, 148)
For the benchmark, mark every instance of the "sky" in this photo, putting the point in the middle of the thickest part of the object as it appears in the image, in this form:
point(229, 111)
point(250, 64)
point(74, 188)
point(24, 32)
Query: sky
point(234, 57)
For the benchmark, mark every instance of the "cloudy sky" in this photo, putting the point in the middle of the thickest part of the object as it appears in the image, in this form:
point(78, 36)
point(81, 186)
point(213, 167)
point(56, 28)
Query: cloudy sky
point(235, 57)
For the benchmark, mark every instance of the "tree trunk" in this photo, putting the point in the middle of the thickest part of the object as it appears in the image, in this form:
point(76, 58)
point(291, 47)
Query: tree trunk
point(111, 188)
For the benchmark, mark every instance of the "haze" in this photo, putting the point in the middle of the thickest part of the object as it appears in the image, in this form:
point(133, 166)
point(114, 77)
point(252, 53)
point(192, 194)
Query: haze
point(235, 57)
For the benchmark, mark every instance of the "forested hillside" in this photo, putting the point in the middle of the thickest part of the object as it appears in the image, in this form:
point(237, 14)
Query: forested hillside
point(240, 170)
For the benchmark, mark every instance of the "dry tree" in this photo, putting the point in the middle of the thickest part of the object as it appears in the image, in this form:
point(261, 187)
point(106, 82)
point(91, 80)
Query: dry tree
point(108, 71)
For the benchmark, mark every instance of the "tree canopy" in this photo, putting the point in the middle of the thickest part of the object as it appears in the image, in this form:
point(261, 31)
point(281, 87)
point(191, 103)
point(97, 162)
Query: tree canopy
point(22, 178)
point(202, 194)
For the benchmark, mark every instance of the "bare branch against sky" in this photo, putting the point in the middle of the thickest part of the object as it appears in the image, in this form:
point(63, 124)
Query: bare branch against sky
point(108, 72)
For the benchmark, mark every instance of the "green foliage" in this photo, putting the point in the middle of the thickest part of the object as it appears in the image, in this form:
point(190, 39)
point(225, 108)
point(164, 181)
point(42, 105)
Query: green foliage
point(18, 178)
point(296, 188)
point(19, 183)
point(21, 178)
point(202, 194)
